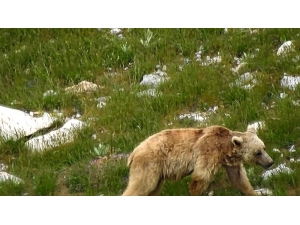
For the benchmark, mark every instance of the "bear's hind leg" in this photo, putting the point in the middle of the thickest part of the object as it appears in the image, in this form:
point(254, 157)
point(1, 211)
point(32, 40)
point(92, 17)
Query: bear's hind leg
point(158, 188)
point(142, 183)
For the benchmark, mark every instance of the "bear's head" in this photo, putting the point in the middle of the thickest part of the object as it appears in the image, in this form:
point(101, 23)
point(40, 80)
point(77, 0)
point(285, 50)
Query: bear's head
point(252, 148)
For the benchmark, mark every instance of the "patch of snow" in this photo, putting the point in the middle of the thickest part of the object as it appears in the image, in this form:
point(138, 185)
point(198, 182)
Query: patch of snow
point(243, 79)
point(282, 168)
point(292, 149)
point(295, 160)
point(246, 77)
point(49, 93)
point(290, 82)
point(194, 116)
point(296, 59)
point(3, 167)
point(264, 191)
point(213, 109)
point(115, 31)
point(285, 48)
point(102, 101)
point(15, 124)
point(55, 138)
point(283, 95)
point(149, 92)
point(199, 116)
point(100, 105)
point(257, 125)
point(198, 54)
point(210, 60)
point(238, 67)
point(4, 176)
point(155, 78)
point(296, 103)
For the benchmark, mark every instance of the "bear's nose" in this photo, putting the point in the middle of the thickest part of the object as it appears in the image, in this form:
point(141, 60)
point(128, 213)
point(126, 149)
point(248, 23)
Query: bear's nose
point(270, 164)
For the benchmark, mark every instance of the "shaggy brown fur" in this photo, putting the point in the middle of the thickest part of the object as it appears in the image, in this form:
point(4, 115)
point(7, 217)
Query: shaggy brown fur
point(176, 153)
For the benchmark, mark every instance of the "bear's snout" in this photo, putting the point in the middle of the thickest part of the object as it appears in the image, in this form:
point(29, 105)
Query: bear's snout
point(268, 165)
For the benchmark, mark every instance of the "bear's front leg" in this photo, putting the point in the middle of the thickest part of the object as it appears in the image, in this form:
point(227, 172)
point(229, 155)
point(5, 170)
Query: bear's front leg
point(197, 187)
point(201, 178)
point(238, 177)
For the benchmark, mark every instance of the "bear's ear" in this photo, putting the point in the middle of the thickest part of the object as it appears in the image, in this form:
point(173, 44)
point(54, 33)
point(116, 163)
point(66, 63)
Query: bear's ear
point(251, 129)
point(237, 141)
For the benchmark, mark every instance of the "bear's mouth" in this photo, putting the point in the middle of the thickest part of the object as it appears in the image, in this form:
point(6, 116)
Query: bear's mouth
point(266, 166)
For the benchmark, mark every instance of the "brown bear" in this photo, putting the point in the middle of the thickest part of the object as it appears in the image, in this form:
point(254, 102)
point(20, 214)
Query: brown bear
point(176, 153)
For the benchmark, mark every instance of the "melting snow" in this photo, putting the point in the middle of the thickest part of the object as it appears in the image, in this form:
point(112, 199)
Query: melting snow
point(257, 125)
point(154, 78)
point(4, 176)
point(194, 116)
point(54, 138)
point(285, 48)
point(290, 82)
point(243, 79)
point(15, 123)
point(149, 92)
point(279, 169)
point(264, 191)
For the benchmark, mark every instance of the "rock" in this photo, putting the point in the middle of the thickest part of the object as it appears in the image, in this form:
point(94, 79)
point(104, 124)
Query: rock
point(15, 124)
point(83, 86)
point(55, 138)
point(4, 176)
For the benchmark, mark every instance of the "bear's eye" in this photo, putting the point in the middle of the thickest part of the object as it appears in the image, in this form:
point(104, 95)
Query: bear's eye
point(258, 153)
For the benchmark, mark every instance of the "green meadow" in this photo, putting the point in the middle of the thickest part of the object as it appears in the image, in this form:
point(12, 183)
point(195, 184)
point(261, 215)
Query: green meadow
point(34, 61)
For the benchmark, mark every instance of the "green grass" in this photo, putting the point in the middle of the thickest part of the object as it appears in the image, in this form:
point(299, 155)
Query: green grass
point(33, 61)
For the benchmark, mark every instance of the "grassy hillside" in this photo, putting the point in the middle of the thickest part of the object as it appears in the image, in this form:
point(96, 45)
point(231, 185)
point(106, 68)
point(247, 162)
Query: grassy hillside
point(33, 61)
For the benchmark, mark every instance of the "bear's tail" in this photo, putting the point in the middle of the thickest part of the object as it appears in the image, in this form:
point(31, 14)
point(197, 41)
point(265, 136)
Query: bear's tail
point(130, 159)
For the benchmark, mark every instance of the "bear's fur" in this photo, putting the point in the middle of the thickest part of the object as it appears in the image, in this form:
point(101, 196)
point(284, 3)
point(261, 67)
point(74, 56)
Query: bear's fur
point(176, 153)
